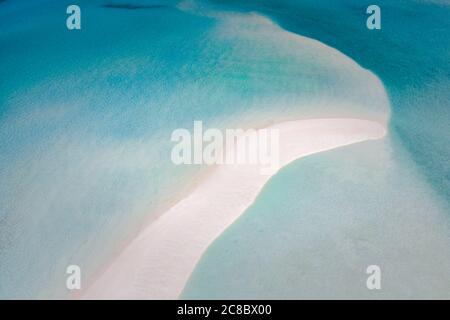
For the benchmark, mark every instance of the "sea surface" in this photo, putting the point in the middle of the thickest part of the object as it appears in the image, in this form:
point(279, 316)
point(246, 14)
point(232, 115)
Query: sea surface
point(322, 220)
point(86, 117)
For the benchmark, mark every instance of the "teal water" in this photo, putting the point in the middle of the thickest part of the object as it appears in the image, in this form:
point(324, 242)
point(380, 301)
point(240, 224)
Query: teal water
point(322, 220)
point(410, 54)
point(86, 117)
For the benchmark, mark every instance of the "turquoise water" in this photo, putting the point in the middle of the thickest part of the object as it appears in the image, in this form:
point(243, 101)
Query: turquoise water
point(410, 54)
point(322, 220)
point(86, 117)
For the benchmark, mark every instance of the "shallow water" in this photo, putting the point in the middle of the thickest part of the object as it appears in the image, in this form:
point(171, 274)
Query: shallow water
point(321, 221)
point(410, 54)
point(324, 219)
point(86, 118)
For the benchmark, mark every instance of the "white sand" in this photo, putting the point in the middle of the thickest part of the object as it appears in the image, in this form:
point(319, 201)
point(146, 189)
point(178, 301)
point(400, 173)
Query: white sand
point(159, 261)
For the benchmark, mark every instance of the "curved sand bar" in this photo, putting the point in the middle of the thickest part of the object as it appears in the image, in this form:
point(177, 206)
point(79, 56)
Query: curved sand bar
point(159, 261)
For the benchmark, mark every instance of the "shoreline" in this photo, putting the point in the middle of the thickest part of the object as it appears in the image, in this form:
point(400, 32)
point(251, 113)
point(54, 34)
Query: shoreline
point(158, 262)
